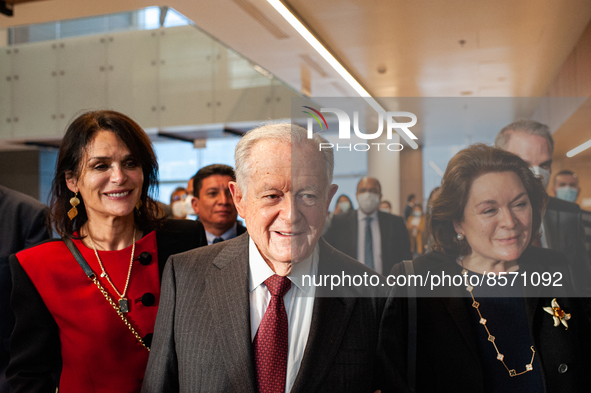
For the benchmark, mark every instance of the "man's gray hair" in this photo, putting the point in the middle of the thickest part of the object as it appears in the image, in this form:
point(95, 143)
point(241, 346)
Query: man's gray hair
point(287, 133)
point(529, 127)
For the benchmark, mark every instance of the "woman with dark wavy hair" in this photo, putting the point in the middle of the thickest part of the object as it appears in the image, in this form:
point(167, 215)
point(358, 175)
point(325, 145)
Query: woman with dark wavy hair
point(85, 305)
point(496, 324)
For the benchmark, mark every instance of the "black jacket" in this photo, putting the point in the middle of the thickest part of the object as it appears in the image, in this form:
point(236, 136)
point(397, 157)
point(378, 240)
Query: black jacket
point(447, 355)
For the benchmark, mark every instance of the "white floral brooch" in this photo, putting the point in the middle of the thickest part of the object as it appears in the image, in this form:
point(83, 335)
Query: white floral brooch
point(558, 314)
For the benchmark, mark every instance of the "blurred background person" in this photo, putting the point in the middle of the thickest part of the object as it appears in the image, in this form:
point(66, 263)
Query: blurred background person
point(502, 338)
point(386, 206)
point(377, 239)
point(343, 205)
point(23, 223)
point(562, 226)
point(177, 203)
point(95, 333)
point(566, 186)
point(213, 203)
point(416, 225)
point(409, 205)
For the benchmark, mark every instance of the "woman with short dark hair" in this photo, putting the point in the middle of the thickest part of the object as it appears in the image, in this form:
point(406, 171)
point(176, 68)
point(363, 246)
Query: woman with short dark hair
point(85, 307)
point(487, 332)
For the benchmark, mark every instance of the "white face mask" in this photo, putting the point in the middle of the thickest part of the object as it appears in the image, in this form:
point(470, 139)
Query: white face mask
point(368, 202)
point(179, 209)
point(385, 210)
point(345, 206)
point(543, 174)
point(567, 193)
point(189, 205)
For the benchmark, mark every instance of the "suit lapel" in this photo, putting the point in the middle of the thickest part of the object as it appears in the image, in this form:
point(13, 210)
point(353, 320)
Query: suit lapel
point(329, 322)
point(330, 319)
point(228, 290)
point(550, 230)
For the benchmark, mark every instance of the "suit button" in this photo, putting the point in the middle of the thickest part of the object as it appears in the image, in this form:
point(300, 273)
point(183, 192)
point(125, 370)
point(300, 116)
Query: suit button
point(148, 339)
point(562, 368)
point(148, 299)
point(145, 258)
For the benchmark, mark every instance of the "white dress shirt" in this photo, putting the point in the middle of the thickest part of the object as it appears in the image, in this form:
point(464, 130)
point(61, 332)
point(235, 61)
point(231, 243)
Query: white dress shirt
point(298, 301)
point(229, 234)
point(376, 236)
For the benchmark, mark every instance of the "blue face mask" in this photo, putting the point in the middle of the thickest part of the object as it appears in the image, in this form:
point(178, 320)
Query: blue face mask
point(567, 193)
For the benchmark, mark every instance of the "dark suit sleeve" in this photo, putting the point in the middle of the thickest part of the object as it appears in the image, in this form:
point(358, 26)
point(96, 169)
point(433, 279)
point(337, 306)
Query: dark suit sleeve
point(393, 338)
point(404, 239)
point(162, 371)
point(34, 344)
point(37, 230)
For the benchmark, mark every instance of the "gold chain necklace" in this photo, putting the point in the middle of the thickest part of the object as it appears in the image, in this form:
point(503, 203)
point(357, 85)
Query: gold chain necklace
point(512, 373)
point(123, 303)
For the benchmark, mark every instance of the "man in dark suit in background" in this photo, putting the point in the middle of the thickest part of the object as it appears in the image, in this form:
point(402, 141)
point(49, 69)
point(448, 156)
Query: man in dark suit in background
point(389, 240)
point(23, 223)
point(562, 225)
point(213, 203)
point(240, 316)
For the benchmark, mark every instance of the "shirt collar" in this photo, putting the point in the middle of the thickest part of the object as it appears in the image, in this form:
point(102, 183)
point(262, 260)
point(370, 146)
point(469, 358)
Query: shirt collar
point(362, 216)
point(260, 271)
point(229, 234)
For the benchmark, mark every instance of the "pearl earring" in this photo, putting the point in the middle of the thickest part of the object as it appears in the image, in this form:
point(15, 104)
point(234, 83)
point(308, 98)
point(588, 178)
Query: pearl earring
point(460, 237)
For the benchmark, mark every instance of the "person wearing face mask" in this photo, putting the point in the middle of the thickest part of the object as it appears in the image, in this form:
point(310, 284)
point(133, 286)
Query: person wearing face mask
point(376, 239)
point(386, 207)
point(343, 205)
point(562, 224)
point(566, 186)
point(177, 203)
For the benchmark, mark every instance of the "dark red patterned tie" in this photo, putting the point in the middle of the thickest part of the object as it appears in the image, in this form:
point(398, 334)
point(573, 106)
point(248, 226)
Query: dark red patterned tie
point(270, 342)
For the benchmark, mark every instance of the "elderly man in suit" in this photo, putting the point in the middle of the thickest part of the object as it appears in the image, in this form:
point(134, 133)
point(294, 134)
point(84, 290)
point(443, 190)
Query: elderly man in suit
point(240, 316)
point(377, 239)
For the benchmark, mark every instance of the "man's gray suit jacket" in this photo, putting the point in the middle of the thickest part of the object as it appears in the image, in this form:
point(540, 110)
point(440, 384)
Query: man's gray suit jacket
point(202, 339)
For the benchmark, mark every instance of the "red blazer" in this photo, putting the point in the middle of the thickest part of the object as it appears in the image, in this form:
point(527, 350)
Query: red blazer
point(62, 316)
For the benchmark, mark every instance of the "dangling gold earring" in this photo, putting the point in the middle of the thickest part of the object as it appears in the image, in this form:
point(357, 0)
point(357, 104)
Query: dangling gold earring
point(73, 212)
point(138, 204)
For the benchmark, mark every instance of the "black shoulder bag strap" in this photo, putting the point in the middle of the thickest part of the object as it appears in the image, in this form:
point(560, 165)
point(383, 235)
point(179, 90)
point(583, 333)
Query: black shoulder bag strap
point(79, 258)
point(412, 329)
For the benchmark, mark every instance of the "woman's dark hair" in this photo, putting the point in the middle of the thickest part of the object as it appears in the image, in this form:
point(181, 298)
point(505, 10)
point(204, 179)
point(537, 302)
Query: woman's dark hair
point(349, 199)
point(462, 170)
point(78, 136)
